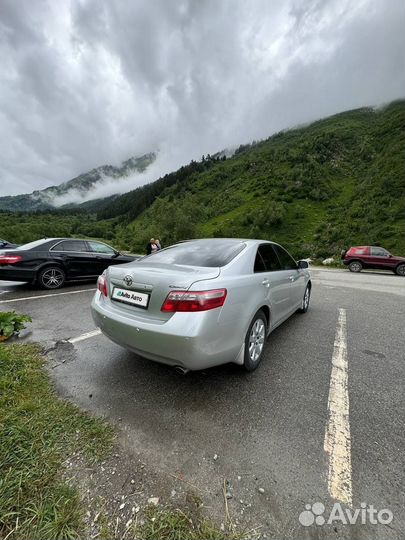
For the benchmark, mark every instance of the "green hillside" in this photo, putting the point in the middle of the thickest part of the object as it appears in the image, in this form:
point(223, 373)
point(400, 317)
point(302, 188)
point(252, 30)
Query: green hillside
point(316, 189)
point(337, 182)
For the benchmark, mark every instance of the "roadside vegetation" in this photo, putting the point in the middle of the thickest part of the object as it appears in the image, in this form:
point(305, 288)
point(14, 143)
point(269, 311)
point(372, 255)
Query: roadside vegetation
point(24, 227)
point(166, 524)
point(11, 323)
point(38, 432)
point(316, 189)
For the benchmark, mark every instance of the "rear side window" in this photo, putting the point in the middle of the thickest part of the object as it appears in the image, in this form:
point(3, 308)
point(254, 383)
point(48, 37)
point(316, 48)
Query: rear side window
point(71, 245)
point(379, 252)
point(266, 259)
point(286, 261)
point(204, 253)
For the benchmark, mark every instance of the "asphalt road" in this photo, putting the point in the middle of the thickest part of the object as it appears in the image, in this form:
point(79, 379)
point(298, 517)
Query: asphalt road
point(266, 428)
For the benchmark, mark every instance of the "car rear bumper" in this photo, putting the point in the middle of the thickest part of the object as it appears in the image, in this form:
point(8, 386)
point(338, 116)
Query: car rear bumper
point(191, 340)
point(12, 273)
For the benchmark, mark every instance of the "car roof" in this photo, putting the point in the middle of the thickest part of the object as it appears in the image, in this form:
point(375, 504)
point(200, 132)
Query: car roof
point(58, 239)
point(249, 241)
point(363, 247)
point(45, 239)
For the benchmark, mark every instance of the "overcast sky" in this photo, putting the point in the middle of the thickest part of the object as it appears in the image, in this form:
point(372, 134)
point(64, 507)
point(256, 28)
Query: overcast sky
point(89, 82)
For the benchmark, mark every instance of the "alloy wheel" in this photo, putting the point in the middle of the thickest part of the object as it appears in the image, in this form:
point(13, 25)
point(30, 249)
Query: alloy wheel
point(305, 301)
point(256, 340)
point(355, 267)
point(52, 278)
point(401, 270)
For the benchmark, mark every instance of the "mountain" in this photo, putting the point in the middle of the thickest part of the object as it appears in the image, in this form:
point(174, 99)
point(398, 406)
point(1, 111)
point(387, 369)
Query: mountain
point(78, 187)
point(317, 189)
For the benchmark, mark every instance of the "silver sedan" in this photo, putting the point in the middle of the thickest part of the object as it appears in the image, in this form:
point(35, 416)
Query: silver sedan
point(202, 303)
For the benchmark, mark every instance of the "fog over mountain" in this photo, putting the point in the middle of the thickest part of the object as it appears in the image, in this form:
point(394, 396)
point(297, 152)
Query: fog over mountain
point(91, 185)
point(89, 82)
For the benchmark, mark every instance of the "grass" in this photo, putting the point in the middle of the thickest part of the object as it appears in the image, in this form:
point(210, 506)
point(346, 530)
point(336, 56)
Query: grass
point(166, 524)
point(38, 432)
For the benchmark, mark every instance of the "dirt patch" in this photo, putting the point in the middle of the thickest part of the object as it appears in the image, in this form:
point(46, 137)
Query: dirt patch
point(117, 492)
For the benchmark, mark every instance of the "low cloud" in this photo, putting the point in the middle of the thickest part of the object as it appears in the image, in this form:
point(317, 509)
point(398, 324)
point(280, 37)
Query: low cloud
point(108, 185)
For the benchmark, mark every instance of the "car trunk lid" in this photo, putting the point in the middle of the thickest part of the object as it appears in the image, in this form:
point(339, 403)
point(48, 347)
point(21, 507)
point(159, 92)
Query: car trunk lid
point(155, 280)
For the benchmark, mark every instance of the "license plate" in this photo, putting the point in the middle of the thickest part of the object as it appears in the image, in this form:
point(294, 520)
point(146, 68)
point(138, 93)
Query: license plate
point(134, 298)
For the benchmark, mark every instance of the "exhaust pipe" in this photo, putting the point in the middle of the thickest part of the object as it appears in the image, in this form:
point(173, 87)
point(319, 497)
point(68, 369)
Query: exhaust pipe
point(181, 370)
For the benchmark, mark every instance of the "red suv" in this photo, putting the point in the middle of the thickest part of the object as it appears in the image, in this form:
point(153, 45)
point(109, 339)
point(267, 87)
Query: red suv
point(357, 258)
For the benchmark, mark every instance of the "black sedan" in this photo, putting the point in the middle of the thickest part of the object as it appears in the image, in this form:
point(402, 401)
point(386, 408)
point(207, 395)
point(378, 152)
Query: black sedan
point(52, 261)
point(7, 245)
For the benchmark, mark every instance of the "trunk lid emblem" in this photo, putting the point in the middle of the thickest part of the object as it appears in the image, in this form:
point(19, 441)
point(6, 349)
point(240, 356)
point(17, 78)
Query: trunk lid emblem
point(128, 281)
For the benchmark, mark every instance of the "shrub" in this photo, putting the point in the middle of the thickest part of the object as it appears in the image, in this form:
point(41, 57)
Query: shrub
point(11, 323)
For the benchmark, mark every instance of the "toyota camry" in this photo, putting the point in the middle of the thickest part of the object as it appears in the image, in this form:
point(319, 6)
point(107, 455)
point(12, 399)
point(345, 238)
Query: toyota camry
point(202, 303)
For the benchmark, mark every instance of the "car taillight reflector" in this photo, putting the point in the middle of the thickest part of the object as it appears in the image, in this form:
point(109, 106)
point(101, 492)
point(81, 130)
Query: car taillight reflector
point(10, 259)
point(102, 285)
point(194, 300)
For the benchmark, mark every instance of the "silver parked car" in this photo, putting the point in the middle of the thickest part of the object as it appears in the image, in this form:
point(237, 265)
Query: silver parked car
point(202, 303)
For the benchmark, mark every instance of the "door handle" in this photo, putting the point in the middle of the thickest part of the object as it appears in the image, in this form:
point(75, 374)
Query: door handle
point(266, 283)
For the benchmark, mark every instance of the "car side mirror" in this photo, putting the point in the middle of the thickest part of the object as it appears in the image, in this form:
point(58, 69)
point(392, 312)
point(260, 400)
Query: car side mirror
point(116, 253)
point(303, 264)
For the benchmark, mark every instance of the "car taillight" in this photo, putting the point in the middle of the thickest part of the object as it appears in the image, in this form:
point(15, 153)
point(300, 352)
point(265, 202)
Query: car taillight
point(102, 285)
point(194, 300)
point(10, 259)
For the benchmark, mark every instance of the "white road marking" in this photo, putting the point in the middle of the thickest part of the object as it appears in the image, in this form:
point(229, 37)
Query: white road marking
point(87, 335)
point(43, 296)
point(337, 434)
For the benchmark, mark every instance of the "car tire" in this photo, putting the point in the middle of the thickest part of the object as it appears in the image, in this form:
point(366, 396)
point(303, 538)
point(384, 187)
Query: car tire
point(305, 300)
point(51, 277)
point(255, 341)
point(355, 266)
point(400, 270)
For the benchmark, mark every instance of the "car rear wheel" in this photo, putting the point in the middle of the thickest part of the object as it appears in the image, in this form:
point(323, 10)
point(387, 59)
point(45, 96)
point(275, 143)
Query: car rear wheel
point(400, 270)
point(355, 266)
point(51, 277)
point(255, 341)
point(305, 301)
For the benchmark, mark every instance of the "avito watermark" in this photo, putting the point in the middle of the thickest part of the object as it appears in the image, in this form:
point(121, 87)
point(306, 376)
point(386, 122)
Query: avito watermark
point(366, 514)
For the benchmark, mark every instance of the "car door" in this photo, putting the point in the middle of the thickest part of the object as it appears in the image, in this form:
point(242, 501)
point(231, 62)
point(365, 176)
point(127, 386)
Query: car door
point(273, 283)
point(75, 256)
point(105, 255)
point(381, 258)
point(295, 277)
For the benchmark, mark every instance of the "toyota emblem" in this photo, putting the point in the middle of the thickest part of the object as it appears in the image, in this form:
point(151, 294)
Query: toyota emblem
point(128, 281)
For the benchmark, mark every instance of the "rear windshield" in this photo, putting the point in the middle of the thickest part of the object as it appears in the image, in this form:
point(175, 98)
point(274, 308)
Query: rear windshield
point(206, 253)
point(32, 245)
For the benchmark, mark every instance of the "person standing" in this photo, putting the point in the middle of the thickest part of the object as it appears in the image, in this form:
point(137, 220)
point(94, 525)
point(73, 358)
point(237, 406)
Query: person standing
point(151, 246)
point(158, 244)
